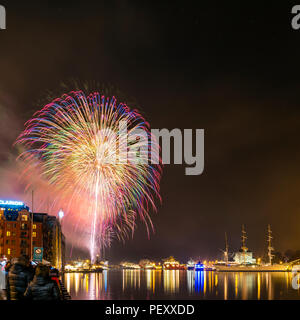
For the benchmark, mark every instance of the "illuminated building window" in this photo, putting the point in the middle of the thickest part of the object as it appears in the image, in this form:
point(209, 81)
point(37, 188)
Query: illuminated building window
point(34, 234)
point(34, 226)
point(8, 251)
point(24, 217)
point(24, 226)
point(8, 233)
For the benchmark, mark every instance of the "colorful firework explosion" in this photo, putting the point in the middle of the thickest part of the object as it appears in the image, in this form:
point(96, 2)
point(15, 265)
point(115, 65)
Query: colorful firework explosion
point(76, 145)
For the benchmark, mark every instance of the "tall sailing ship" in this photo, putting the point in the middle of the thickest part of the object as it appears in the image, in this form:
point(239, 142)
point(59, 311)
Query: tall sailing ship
point(243, 259)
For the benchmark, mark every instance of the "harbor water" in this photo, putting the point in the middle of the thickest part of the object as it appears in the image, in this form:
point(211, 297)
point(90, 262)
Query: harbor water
point(180, 284)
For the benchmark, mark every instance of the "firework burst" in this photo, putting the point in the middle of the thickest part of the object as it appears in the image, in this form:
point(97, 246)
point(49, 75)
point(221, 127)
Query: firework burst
point(76, 145)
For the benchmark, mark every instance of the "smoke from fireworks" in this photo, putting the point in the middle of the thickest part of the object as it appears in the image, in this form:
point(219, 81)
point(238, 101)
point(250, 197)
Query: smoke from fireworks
point(75, 144)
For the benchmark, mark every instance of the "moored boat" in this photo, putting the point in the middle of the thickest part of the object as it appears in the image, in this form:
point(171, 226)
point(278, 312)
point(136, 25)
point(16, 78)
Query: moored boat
point(199, 266)
point(191, 265)
point(171, 264)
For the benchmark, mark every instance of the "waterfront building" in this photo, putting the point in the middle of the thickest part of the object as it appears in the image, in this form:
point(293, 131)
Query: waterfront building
point(170, 264)
point(149, 264)
point(54, 241)
point(19, 230)
point(129, 265)
point(22, 230)
point(244, 257)
point(144, 262)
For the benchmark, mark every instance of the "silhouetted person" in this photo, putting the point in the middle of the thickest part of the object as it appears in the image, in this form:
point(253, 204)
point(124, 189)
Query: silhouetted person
point(7, 266)
point(18, 279)
point(42, 287)
point(2, 280)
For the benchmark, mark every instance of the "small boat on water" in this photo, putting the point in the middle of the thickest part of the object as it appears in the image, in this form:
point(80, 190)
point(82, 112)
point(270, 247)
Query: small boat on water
point(191, 265)
point(172, 264)
point(210, 268)
point(199, 266)
point(251, 268)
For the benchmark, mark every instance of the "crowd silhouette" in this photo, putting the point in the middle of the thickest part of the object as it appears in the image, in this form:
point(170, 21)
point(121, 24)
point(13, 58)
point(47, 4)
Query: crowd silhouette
point(22, 280)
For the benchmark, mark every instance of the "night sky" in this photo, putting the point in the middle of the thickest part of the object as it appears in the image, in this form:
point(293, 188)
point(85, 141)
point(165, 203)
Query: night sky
point(228, 68)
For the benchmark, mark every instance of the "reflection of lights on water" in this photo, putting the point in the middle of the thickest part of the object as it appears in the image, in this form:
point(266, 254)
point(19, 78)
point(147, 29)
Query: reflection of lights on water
point(236, 283)
point(123, 280)
point(210, 280)
point(171, 281)
point(76, 282)
point(226, 287)
point(92, 287)
point(87, 282)
point(98, 285)
point(68, 282)
point(244, 286)
point(105, 280)
point(190, 280)
point(159, 275)
point(199, 280)
point(150, 278)
point(270, 289)
point(131, 279)
point(93, 284)
point(249, 284)
point(258, 286)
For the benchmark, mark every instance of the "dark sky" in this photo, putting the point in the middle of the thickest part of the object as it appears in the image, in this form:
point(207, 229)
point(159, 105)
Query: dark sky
point(228, 68)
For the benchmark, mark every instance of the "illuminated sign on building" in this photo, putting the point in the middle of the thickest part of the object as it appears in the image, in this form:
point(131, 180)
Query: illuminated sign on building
point(11, 203)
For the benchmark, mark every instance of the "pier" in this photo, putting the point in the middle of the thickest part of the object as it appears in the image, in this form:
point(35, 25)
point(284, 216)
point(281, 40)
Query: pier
point(64, 292)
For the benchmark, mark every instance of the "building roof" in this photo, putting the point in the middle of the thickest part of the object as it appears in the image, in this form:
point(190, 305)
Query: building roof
point(39, 217)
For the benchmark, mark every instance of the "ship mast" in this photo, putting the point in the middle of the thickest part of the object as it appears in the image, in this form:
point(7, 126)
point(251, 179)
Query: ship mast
point(270, 248)
point(226, 249)
point(244, 238)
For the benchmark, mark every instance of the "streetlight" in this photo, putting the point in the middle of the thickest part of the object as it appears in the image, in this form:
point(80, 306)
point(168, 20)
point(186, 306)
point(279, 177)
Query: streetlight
point(60, 214)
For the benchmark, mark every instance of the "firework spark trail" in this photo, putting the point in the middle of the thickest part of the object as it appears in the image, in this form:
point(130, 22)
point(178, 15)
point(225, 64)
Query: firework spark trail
point(94, 223)
point(72, 140)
